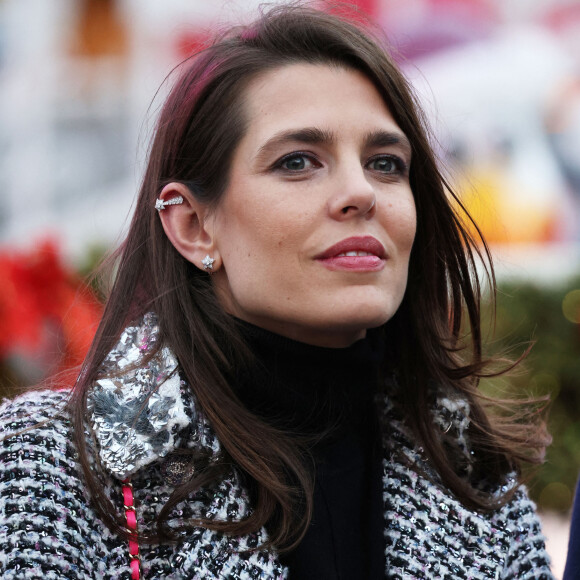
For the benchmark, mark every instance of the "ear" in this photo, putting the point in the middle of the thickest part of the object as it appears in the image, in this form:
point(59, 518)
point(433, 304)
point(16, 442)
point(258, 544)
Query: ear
point(188, 226)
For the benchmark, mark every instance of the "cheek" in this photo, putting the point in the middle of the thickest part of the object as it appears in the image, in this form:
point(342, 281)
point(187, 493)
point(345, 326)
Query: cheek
point(254, 222)
point(258, 250)
point(410, 229)
point(402, 223)
point(271, 236)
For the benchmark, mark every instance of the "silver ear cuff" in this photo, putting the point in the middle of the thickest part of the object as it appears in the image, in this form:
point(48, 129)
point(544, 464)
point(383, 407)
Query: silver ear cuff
point(160, 204)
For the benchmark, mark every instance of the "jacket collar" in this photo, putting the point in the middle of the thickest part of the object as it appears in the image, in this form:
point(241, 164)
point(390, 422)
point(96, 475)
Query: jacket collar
point(140, 408)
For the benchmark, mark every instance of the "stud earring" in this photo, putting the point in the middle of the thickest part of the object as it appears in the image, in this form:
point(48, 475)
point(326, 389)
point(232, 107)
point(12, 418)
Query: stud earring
point(208, 262)
point(160, 204)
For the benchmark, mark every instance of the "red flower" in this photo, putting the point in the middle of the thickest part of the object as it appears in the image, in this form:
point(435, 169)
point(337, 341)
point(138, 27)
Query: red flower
point(46, 313)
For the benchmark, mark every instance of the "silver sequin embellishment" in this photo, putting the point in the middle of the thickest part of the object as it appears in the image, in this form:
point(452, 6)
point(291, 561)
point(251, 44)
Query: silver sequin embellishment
point(136, 415)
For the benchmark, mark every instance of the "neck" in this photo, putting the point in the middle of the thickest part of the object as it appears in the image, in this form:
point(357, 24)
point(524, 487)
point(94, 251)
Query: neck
point(302, 387)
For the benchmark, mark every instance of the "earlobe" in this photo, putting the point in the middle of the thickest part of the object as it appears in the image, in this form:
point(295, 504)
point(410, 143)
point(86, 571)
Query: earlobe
point(186, 223)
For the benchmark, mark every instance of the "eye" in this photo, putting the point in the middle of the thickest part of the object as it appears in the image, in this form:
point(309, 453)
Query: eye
point(387, 164)
point(296, 162)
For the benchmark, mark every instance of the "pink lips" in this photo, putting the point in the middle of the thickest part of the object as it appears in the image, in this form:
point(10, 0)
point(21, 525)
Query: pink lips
point(356, 254)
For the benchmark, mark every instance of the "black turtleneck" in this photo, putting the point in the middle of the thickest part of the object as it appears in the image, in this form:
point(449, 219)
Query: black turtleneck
point(329, 394)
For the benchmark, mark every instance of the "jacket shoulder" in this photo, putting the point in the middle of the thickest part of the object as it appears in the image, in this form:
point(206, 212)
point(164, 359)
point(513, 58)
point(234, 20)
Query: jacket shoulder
point(35, 440)
point(421, 514)
point(32, 410)
point(43, 504)
point(527, 557)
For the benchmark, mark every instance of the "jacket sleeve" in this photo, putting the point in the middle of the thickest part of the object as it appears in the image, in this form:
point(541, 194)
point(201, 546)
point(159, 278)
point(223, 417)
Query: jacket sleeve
point(43, 509)
point(527, 558)
point(572, 570)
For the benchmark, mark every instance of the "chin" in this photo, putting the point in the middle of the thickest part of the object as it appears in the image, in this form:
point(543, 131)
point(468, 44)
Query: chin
point(357, 324)
point(371, 314)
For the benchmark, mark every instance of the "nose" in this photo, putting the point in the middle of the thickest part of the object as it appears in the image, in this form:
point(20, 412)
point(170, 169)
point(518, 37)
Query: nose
point(354, 195)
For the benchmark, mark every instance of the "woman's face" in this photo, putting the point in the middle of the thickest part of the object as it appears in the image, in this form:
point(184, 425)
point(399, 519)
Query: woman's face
point(316, 226)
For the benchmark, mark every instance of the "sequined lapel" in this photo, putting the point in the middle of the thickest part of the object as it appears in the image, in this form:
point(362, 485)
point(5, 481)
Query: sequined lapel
point(138, 408)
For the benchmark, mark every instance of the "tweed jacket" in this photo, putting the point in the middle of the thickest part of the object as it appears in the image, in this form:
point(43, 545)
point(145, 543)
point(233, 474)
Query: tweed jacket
point(142, 413)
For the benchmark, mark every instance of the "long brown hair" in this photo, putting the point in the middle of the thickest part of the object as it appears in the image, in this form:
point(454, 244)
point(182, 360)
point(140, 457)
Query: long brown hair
point(199, 127)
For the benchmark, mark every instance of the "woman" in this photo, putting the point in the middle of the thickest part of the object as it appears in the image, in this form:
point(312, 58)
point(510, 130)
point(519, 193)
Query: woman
point(275, 389)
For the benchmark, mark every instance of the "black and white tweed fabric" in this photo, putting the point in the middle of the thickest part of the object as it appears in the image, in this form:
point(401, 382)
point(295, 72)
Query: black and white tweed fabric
point(49, 530)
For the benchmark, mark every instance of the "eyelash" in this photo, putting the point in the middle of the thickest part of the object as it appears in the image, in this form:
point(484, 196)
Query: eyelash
point(400, 164)
point(295, 155)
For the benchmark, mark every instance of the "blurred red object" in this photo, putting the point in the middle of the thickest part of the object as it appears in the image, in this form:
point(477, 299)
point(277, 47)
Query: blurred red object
point(369, 7)
point(194, 39)
point(47, 314)
point(190, 42)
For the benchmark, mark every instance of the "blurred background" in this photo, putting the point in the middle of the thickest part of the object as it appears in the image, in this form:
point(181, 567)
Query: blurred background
point(500, 82)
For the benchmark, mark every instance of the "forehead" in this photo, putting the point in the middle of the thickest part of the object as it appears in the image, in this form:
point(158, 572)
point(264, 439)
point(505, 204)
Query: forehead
point(314, 95)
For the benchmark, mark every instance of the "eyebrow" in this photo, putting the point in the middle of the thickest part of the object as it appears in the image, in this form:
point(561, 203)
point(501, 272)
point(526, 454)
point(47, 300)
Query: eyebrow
point(317, 136)
point(307, 135)
point(382, 138)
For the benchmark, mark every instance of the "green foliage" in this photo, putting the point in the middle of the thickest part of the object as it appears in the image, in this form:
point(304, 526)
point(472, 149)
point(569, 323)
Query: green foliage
point(549, 317)
point(90, 270)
